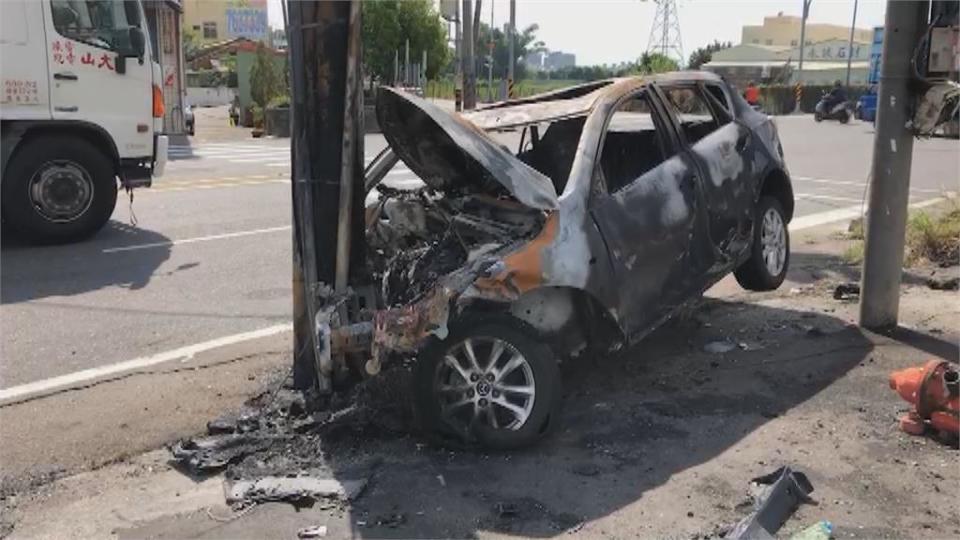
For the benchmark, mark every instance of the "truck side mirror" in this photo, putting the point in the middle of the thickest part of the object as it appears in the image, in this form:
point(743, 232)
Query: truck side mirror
point(138, 43)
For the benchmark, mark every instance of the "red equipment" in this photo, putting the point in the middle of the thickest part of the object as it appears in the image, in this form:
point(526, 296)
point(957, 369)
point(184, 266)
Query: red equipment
point(934, 390)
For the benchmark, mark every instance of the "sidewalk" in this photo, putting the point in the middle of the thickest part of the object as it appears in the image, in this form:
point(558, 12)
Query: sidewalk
point(658, 440)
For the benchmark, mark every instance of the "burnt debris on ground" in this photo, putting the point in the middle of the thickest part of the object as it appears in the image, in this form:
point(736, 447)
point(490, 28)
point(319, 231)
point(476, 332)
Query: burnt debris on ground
point(277, 446)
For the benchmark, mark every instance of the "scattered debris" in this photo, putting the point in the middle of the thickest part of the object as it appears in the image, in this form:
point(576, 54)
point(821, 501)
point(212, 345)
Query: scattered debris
point(943, 284)
point(293, 489)
point(205, 455)
point(317, 531)
point(506, 510)
point(586, 469)
point(787, 490)
point(934, 391)
point(442, 480)
point(392, 521)
point(847, 291)
point(719, 347)
point(821, 530)
point(813, 331)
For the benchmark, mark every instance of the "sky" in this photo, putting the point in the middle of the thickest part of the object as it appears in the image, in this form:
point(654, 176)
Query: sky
point(613, 31)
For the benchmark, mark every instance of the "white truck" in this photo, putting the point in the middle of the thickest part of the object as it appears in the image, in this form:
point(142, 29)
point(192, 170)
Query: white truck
point(81, 113)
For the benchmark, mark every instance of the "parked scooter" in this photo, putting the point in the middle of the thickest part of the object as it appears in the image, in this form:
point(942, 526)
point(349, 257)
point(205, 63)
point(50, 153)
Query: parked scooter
point(828, 110)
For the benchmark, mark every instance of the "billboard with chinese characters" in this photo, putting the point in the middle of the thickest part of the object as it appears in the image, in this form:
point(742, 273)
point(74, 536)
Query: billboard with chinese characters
point(247, 19)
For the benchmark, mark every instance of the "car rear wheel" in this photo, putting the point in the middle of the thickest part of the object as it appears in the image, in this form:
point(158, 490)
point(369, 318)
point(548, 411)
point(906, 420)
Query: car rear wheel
point(58, 189)
point(769, 258)
point(491, 381)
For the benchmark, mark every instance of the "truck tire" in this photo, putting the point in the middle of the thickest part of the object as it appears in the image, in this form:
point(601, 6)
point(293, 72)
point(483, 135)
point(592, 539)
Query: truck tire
point(58, 189)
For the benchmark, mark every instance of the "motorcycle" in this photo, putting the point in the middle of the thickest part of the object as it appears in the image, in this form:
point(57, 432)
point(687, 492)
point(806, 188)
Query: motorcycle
point(827, 111)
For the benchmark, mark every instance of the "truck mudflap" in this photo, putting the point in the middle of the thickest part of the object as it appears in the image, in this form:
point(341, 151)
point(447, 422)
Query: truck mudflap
point(161, 147)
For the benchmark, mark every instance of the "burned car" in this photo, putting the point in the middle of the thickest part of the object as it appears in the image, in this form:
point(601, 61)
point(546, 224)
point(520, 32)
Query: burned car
point(623, 200)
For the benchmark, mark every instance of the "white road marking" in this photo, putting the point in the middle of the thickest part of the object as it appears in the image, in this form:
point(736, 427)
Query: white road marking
point(811, 196)
point(196, 239)
point(858, 184)
point(841, 214)
point(184, 354)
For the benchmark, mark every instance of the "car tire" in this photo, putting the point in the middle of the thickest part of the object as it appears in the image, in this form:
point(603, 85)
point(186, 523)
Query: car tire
point(817, 117)
point(534, 398)
point(759, 272)
point(58, 189)
point(844, 118)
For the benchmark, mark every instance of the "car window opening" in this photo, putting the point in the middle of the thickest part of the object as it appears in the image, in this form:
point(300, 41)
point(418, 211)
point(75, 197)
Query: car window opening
point(632, 147)
point(551, 150)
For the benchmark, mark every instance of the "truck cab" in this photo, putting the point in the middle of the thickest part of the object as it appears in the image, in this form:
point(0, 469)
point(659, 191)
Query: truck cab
point(81, 113)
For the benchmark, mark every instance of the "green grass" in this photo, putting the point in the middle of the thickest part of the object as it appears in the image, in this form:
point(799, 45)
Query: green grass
point(935, 238)
point(931, 237)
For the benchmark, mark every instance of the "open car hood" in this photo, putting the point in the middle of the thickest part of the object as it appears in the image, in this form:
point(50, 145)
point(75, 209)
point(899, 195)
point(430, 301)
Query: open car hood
point(450, 153)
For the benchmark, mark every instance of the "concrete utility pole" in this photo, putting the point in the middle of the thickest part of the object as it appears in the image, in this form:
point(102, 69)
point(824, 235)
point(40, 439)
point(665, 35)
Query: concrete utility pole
point(511, 36)
point(886, 219)
point(803, 46)
point(853, 25)
point(327, 173)
point(466, 46)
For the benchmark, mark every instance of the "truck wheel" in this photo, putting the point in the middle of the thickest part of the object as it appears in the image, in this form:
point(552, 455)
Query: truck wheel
point(58, 189)
point(491, 381)
point(769, 258)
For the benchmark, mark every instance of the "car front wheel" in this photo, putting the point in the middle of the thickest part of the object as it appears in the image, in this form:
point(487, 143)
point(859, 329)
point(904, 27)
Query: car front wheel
point(769, 258)
point(491, 381)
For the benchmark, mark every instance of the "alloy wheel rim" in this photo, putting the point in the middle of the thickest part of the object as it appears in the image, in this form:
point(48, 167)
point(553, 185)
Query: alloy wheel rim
point(485, 381)
point(773, 241)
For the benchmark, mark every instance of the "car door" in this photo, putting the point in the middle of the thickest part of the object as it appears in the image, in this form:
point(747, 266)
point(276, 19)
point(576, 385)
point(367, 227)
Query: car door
point(646, 205)
point(85, 39)
point(722, 150)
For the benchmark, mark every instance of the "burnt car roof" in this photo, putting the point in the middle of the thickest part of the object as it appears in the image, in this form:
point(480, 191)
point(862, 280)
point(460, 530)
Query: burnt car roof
point(572, 101)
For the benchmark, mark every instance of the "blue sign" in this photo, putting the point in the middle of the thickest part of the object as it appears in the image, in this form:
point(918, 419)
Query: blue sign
point(247, 22)
point(876, 52)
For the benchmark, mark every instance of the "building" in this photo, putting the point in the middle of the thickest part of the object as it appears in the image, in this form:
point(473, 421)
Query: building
point(784, 31)
point(559, 60)
point(769, 54)
point(221, 20)
point(549, 60)
point(163, 22)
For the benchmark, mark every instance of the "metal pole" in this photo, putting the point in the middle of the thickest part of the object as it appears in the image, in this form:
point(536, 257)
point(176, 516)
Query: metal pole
point(853, 25)
point(423, 70)
point(458, 77)
point(803, 46)
point(406, 64)
point(886, 218)
point(511, 36)
point(396, 67)
point(490, 57)
point(469, 73)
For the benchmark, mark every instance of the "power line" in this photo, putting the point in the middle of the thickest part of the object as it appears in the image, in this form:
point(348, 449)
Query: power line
point(665, 36)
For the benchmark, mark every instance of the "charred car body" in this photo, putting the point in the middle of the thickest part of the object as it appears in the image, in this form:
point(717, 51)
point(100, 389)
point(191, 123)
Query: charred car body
point(626, 199)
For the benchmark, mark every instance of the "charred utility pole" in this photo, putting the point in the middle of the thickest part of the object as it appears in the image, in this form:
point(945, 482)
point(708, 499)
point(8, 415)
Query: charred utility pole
point(327, 168)
point(468, 69)
point(886, 220)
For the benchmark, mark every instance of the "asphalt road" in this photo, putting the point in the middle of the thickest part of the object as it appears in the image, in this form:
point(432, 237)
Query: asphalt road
point(210, 252)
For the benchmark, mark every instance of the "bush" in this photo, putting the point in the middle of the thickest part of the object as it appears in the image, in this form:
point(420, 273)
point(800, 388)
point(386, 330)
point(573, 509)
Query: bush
point(935, 239)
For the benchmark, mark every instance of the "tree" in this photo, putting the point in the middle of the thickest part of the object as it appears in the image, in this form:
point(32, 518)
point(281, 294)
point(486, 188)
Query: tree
point(191, 42)
point(388, 25)
point(265, 79)
point(656, 63)
point(525, 42)
point(703, 55)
